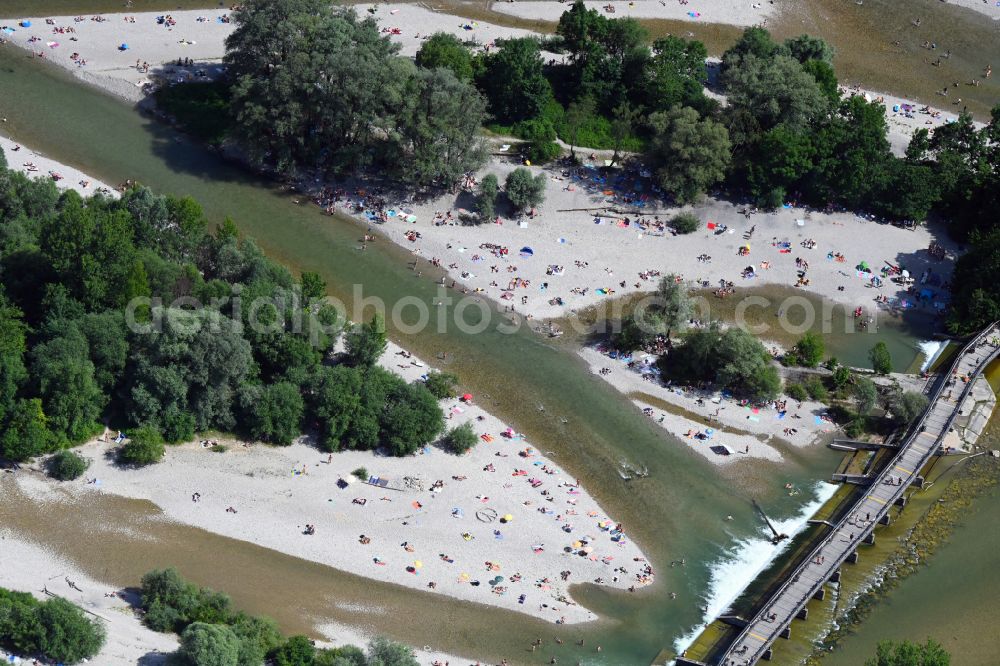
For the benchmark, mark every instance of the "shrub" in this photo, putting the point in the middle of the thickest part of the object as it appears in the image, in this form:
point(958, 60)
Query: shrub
point(144, 447)
point(54, 628)
point(809, 349)
point(841, 376)
point(297, 651)
point(523, 189)
point(205, 644)
point(543, 152)
point(880, 358)
point(816, 389)
point(360, 473)
point(441, 384)
point(855, 427)
point(486, 202)
point(796, 392)
point(685, 223)
point(66, 466)
point(460, 439)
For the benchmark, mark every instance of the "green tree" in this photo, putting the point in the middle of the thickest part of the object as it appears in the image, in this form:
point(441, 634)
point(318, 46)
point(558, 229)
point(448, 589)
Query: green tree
point(905, 406)
point(66, 465)
point(766, 92)
point(905, 653)
point(486, 200)
point(313, 286)
point(623, 122)
point(64, 377)
point(258, 636)
point(880, 359)
point(334, 398)
point(437, 122)
point(26, 434)
point(12, 349)
point(690, 155)
point(524, 190)
point(460, 439)
point(865, 394)
point(366, 342)
point(577, 114)
point(383, 652)
point(443, 49)
point(411, 418)
point(205, 644)
point(809, 349)
point(676, 74)
point(296, 651)
point(69, 635)
point(273, 413)
point(143, 447)
point(805, 48)
point(511, 77)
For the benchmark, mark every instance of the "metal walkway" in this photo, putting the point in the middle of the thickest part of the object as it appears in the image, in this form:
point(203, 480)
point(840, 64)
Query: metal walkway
point(920, 443)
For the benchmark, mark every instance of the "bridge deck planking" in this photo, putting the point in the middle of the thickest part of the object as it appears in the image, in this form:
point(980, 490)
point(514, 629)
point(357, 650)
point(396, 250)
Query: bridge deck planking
point(809, 577)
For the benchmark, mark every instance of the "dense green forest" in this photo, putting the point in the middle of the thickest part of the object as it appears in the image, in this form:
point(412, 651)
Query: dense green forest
point(129, 312)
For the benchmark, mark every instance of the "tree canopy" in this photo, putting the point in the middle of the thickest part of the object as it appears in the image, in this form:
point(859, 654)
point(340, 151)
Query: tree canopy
point(905, 653)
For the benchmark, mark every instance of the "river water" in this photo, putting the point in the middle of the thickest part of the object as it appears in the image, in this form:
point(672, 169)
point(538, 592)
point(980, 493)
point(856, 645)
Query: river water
point(543, 390)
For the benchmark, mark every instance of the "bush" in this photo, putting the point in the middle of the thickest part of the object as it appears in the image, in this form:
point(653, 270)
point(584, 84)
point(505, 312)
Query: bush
point(880, 358)
point(543, 152)
point(460, 439)
point(144, 447)
point(205, 644)
point(809, 349)
point(297, 651)
point(796, 392)
point(486, 202)
point(54, 628)
point(171, 603)
point(841, 376)
point(360, 473)
point(66, 466)
point(441, 384)
point(685, 223)
point(855, 427)
point(817, 389)
point(523, 189)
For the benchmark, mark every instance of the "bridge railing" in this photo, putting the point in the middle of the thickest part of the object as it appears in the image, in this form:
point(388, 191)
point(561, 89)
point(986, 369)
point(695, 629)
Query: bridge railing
point(914, 430)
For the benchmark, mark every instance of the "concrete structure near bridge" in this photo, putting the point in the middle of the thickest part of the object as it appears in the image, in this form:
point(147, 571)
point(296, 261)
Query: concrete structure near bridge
point(958, 409)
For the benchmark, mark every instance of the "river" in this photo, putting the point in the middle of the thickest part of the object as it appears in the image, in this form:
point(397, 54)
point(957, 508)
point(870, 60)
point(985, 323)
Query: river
point(544, 390)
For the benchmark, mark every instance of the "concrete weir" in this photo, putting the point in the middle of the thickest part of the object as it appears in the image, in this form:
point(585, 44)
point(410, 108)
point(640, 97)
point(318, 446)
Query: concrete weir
point(883, 490)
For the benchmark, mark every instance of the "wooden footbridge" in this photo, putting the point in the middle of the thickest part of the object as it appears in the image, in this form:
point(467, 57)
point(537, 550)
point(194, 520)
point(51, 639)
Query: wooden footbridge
point(915, 449)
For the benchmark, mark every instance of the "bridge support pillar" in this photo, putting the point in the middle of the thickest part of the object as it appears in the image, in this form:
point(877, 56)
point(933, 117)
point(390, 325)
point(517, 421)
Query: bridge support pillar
point(919, 482)
point(853, 558)
point(901, 501)
point(820, 594)
point(786, 633)
point(835, 576)
point(768, 654)
point(869, 539)
point(884, 520)
point(802, 614)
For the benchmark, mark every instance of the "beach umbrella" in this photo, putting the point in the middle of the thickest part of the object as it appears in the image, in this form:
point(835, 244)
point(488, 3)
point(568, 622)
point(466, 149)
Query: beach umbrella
point(25, 24)
point(508, 518)
point(467, 397)
point(577, 544)
point(527, 251)
point(418, 564)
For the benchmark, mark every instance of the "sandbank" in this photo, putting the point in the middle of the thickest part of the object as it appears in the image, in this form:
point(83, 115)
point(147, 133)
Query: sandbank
point(26, 567)
point(454, 537)
point(36, 165)
point(743, 13)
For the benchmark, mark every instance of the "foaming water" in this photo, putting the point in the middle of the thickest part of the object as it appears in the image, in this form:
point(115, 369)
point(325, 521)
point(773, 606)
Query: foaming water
point(930, 350)
point(744, 561)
